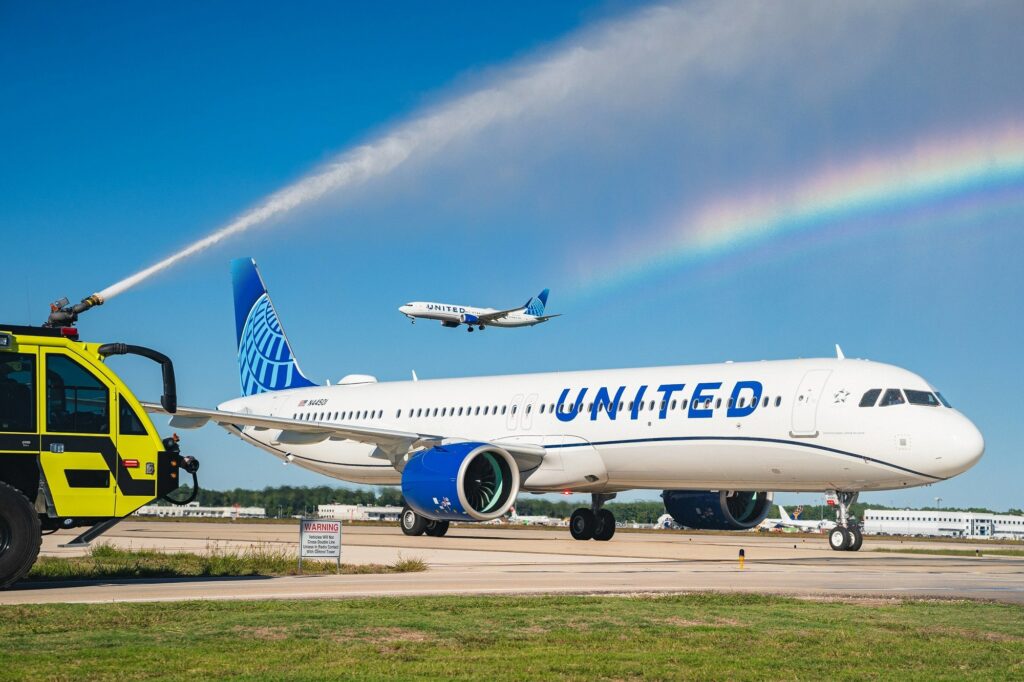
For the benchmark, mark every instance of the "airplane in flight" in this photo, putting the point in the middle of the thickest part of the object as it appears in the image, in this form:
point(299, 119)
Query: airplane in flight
point(718, 439)
point(526, 315)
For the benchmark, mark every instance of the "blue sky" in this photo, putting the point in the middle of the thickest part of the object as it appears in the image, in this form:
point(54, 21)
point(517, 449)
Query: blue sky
point(130, 130)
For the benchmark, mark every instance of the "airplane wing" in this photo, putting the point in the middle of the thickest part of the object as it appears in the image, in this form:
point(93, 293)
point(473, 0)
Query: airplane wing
point(497, 315)
point(392, 445)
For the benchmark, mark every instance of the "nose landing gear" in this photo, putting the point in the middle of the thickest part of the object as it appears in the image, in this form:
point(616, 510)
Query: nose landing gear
point(847, 536)
point(594, 523)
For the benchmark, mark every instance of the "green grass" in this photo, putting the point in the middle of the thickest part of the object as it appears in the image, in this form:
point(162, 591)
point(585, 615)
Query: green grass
point(698, 637)
point(952, 552)
point(105, 561)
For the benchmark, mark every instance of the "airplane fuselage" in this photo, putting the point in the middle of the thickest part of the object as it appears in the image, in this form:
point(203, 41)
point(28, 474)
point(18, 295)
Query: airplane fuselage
point(791, 425)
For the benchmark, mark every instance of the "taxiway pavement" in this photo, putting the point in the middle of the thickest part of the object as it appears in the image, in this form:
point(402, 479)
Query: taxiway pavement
point(489, 560)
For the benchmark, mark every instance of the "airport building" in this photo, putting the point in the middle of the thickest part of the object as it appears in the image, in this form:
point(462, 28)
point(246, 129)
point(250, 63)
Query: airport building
point(954, 524)
point(194, 510)
point(357, 512)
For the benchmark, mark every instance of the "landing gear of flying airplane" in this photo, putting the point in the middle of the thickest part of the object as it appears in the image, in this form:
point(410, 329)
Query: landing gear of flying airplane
point(847, 536)
point(469, 328)
point(593, 523)
point(481, 327)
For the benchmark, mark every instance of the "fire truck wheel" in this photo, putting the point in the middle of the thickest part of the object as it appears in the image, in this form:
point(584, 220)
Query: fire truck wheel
point(19, 535)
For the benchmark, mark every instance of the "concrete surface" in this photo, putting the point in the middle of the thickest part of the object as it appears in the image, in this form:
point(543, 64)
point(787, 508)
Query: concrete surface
point(489, 560)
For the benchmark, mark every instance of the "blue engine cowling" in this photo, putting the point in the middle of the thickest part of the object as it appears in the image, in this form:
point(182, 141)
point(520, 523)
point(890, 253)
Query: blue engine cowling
point(717, 509)
point(461, 482)
point(469, 319)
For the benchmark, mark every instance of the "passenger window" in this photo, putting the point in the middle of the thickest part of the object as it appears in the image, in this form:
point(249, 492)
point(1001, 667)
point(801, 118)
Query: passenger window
point(778, 400)
point(542, 407)
point(921, 398)
point(765, 402)
point(870, 398)
point(528, 408)
point(18, 393)
point(76, 401)
point(891, 397)
point(682, 405)
point(130, 424)
point(504, 408)
point(718, 403)
point(398, 414)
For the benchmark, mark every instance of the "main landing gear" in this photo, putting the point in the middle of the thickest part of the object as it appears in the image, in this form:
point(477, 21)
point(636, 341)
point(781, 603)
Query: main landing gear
point(470, 328)
point(847, 535)
point(414, 524)
point(593, 523)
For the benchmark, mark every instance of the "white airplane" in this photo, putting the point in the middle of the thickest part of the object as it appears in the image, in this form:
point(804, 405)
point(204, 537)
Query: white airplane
point(515, 517)
point(786, 521)
point(526, 315)
point(715, 438)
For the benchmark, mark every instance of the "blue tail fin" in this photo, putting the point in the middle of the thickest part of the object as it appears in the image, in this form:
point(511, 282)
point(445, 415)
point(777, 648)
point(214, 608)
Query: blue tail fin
point(265, 358)
point(535, 306)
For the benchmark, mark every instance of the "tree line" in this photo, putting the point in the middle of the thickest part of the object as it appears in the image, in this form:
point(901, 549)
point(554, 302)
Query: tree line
point(286, 501)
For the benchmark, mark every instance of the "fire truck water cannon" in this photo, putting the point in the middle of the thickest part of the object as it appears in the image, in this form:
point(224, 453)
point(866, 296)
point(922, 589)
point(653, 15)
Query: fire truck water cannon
point(64, 315)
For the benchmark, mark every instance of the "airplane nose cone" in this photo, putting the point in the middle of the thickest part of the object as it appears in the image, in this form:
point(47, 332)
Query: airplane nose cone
point(966, 445)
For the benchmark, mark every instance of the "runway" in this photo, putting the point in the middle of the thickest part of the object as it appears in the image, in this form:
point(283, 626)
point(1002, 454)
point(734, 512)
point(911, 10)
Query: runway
point(489, 560)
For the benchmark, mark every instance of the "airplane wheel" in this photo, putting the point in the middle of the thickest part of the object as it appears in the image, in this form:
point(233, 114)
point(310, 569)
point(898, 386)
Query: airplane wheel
point(582, 524)
point(411, 522)
point(839, 539)
point(470, 329)
point(605, 525)
point(436, 529)
point(856, 539)
point(481, 327)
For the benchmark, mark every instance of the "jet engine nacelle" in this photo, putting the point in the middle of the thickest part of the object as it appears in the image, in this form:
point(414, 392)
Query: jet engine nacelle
point(717, 509)
point(461, 482)
point(469, 319)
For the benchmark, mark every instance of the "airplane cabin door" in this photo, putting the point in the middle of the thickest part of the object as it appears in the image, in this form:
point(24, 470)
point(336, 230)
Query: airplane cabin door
point(805, 403)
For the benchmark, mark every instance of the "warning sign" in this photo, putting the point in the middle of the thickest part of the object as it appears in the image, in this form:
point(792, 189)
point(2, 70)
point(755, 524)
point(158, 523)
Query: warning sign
point(319, 539)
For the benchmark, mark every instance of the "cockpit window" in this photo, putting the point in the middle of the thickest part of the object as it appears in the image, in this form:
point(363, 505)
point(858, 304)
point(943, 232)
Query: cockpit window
point(942, 399)
point(921, 398)
point(893, 396)
point(870, 398)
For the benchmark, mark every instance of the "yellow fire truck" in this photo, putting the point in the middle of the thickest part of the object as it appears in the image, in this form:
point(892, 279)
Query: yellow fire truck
point(76, 448)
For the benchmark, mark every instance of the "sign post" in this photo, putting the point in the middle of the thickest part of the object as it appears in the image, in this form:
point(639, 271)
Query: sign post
point(319, 539)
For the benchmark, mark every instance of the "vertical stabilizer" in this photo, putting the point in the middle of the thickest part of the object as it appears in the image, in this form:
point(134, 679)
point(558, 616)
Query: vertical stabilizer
point(265, 358)
point(535, 306)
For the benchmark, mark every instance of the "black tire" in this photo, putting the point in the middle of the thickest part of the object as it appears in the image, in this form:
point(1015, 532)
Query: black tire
point(411, 522)
point(839, 539)
point(470, 329)
point(20, 535)
point(436, 529)
point(582, 524)
point(856, 539)
point(605, 528)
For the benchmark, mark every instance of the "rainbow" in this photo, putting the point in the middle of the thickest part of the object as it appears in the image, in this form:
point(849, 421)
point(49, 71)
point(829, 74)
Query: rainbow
point(973, 174)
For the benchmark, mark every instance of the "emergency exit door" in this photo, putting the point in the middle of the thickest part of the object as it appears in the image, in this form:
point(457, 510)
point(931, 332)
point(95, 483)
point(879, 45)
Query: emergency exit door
point(805, 404)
